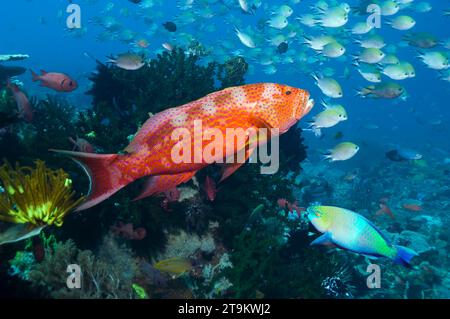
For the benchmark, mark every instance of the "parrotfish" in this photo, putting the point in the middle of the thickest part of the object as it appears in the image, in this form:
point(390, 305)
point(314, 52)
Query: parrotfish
point(351, 231)
point(151, 153)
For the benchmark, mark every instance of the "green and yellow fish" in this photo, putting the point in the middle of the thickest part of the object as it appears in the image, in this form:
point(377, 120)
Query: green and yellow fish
point(351, 231)
point(174, 266)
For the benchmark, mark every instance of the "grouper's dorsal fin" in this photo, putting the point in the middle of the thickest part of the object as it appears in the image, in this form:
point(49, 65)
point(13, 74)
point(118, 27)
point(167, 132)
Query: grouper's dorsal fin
point(150, 127)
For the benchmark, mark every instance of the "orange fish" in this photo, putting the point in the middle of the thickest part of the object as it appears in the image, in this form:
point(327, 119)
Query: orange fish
point(80, 144)
point(384, 209)
point(412, 207)
point(151, 152)
point(23, 104)
point(210, 188)
point(57, 81)
point(142, 43)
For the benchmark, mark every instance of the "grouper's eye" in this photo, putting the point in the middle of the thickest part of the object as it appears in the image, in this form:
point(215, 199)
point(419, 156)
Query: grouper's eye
point(288, 92)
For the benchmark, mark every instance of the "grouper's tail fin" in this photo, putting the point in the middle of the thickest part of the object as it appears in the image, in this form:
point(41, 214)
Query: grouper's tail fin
point(105, 179)
point(404, 256)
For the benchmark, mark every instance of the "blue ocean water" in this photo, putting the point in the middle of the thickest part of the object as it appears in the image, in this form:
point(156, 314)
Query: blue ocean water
point(38, 28)
point(418, 120)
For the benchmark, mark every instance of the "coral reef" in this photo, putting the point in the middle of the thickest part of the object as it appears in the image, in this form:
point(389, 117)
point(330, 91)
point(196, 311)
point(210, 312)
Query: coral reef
point(35, 196)
point(122, 100)
point(128, 231)
point(8, 111)
point(419, 211)
point(186, 245)
point(13, 57)
point(212, 235)
point(109, 274)
point(21, 265)
point(232, 72)
point(54, 122)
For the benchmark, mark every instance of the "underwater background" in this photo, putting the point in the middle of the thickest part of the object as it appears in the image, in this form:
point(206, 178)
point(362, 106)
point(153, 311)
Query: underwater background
point(248, 236)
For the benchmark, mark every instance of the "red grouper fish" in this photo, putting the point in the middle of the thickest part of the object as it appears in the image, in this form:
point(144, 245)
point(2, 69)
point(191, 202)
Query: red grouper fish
point(151, 152)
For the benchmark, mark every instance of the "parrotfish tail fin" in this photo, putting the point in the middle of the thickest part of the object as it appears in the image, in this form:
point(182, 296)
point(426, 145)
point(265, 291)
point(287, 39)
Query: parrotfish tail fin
point(162, 183)
point(404, 256)
point(104, 178)
point(35, 76)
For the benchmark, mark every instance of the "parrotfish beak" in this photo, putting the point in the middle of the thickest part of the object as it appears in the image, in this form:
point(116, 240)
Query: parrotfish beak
point(316, 219)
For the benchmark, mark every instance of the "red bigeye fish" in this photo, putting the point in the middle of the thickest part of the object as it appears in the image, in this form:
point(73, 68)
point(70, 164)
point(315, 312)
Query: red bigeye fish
point(291, 207)
point(384, 208)
point(57, 81)
point(23, 104)
point(38, 249)
point(156, 153)
point(210, 188)
point(128, 231)
point(412, 206)
point(81, 145)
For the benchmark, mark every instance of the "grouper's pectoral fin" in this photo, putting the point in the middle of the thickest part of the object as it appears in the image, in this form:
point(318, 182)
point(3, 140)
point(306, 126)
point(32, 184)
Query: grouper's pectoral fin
point(162, 183)
point(230, 168)
point(325, 240)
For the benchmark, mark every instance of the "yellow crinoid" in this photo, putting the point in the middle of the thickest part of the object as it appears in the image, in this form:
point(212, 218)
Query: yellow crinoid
point(36, 196)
